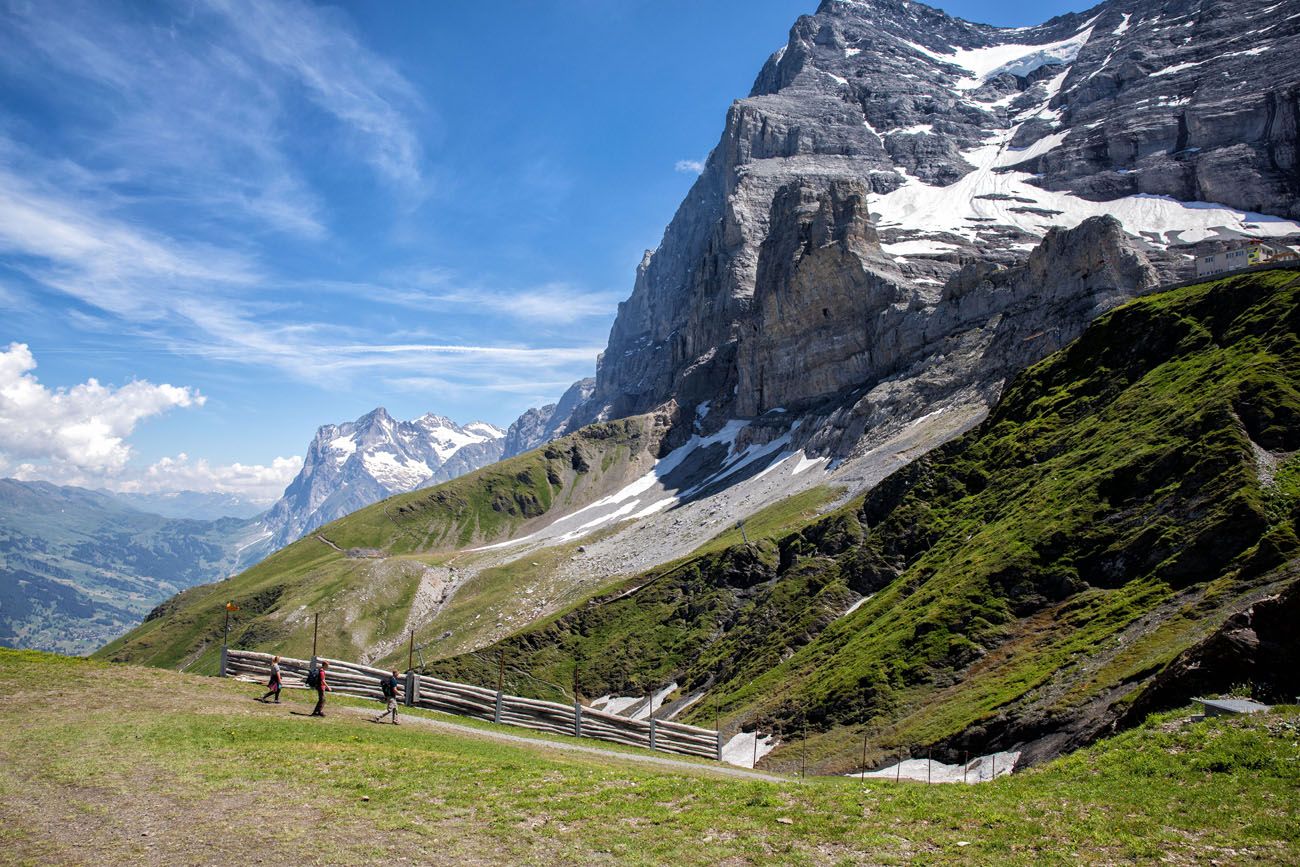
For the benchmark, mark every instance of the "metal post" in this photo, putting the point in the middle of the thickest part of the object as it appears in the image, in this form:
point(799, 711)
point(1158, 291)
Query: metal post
point(927, 767)
point(898, 770)
point(995, 767)
point(410, 653)
point(314, 630)
point(754, 764)
point(501, 684)
point(965, 764)
point(864, 757)
point(225, 633)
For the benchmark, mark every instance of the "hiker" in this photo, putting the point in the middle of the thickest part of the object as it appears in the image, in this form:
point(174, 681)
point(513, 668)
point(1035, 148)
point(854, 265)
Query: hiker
point(389, 687)
point(321, 688)
point(273, 684)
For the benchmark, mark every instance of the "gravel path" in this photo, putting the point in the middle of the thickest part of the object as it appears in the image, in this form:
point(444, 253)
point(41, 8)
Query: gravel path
point(541, 743)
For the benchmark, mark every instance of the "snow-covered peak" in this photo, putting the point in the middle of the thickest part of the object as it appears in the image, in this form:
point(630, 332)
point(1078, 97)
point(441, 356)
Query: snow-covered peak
point(488, 430)
point(353, 464)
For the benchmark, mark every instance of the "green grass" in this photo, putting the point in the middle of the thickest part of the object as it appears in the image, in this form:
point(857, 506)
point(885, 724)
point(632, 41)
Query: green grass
point(205, 772)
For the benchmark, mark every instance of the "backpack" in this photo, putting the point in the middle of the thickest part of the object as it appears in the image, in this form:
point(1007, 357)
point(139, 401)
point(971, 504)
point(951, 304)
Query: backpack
point(389, 686)
point(313, 679)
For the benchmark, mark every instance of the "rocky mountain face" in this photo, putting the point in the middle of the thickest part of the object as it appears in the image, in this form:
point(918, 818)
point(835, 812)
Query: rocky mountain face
point(909, 208)
point(357, 463)
point(542, 424)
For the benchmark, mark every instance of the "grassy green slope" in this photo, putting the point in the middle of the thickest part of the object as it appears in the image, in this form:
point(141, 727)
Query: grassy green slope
point(1030, 576)
point(167, 768)
point(365, 597)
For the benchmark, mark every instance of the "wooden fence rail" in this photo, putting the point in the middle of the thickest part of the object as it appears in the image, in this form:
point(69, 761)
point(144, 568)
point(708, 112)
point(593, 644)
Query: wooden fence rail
point(350, 678)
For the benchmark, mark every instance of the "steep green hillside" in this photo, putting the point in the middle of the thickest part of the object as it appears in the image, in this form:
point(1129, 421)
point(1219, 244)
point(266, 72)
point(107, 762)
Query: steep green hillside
point(365, 572)
point(79, 567)
point(1026, 581)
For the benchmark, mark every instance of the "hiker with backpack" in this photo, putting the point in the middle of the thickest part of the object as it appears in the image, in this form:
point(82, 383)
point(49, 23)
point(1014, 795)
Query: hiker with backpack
point(273, 684)
point(389, 687)
point(316, 681)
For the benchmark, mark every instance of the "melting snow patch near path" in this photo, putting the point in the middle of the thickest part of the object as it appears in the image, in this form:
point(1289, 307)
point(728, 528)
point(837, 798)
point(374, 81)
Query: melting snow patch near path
point(622, 704)
point(740, 750)
point(977, 770)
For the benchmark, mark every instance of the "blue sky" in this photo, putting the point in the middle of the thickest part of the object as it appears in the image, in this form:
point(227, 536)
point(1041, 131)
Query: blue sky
point(226, 222)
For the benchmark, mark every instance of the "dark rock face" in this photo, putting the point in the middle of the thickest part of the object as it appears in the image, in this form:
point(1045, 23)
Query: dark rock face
point(1258, 646)
point(351, 465)
point(899, 180)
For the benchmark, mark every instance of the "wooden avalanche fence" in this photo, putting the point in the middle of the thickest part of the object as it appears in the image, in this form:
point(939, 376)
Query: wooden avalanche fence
point(350, 678)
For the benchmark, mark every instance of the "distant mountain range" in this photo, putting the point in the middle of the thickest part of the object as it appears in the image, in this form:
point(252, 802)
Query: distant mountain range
point(354, 464)
point(78, 567)
point(196, 505)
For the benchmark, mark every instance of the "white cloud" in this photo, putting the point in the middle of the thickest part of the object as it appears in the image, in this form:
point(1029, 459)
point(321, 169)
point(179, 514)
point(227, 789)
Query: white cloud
point(83, 427)
point(78, 436)
point(183, 473)
point(689, 167)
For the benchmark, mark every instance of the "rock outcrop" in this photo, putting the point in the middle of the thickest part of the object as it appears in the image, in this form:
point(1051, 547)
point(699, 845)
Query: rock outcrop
point(540, 425)
point(904, 191)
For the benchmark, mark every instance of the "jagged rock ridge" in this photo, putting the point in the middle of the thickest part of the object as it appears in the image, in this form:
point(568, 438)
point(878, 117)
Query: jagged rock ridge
point(540, 425)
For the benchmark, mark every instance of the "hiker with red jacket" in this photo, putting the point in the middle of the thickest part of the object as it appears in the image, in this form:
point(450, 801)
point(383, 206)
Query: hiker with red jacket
point(321, 688)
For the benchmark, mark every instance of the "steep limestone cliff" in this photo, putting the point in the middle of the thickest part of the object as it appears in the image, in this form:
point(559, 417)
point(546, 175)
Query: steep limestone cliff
point(887, 209)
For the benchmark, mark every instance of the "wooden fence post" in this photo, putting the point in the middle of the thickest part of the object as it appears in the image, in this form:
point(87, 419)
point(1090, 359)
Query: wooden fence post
point(412, 687)
point(501, 685)
point(652, 719)
point(577, 717)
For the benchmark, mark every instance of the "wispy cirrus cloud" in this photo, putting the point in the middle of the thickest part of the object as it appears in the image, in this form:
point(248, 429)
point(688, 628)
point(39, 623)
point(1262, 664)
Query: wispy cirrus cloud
point(198, 104)
point(211, 302)
point(343, 77)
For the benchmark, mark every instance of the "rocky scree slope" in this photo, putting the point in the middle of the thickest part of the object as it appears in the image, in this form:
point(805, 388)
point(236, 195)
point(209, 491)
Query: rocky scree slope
point(891, 158)
point(354, 464)
point(1066, 566)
